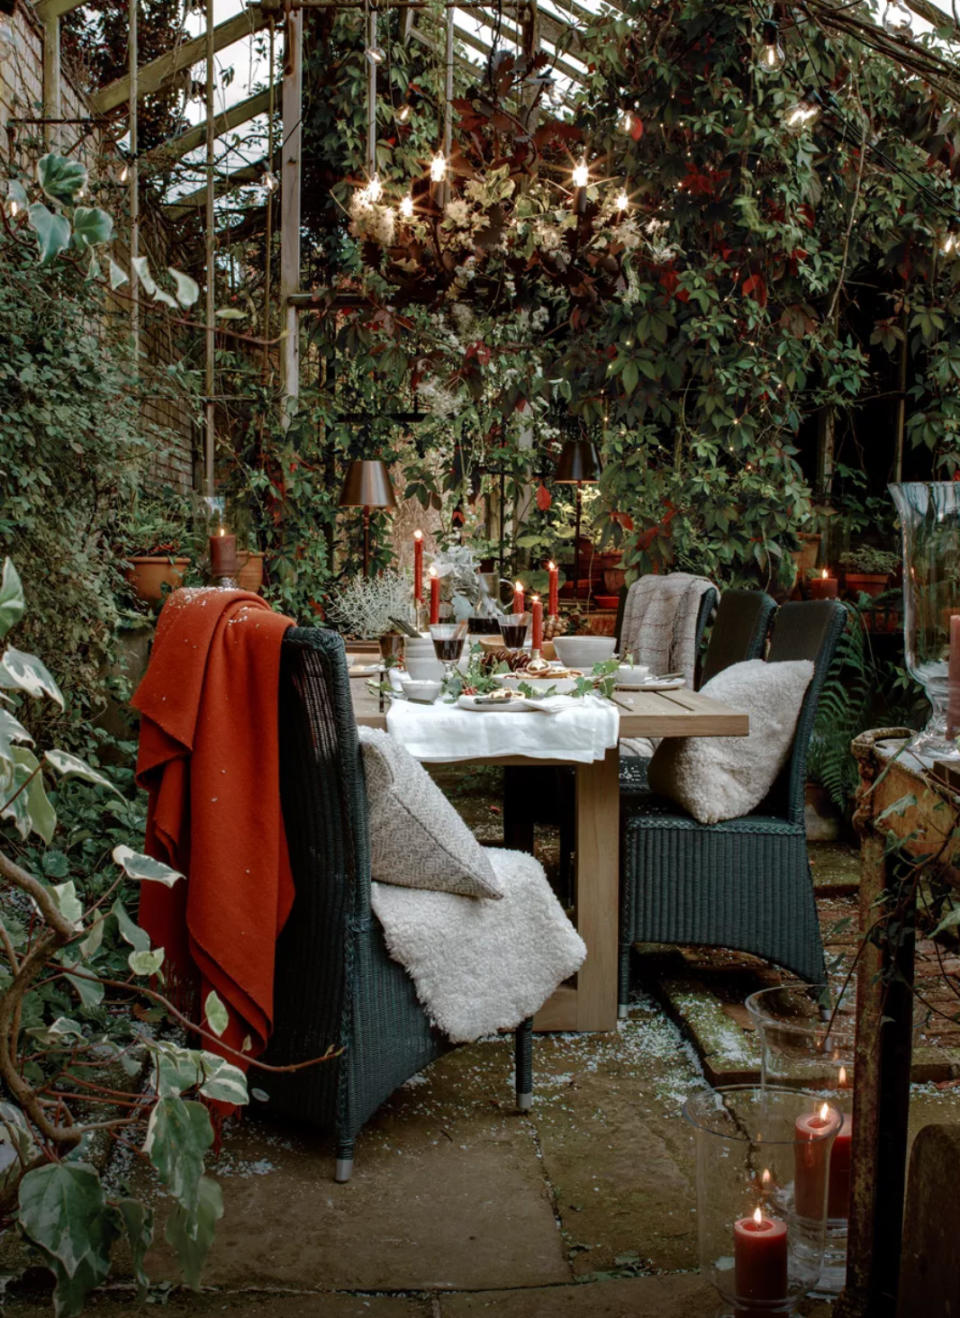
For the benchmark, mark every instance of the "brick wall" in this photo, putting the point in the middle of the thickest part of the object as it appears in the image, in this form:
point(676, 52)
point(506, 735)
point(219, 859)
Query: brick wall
point(21, 99)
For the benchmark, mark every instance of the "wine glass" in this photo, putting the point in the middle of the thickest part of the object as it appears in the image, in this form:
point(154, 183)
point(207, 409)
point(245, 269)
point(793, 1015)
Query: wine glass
point(513, 629)
point(448, 639)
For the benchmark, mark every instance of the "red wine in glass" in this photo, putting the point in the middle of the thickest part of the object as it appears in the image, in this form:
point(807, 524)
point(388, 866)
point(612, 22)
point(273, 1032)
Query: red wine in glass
point(514, 634)
point(448, 651)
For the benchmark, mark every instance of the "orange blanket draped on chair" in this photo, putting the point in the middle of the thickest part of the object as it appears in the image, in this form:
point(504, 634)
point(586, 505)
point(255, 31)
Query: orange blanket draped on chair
point(209, 758)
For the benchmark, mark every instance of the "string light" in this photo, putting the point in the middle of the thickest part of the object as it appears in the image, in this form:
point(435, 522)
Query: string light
point(406, 207)
point(772, 57)
point(270, 180)
point(802, 114)
point(404, 113)
point(897, 19)
point(950, 245)
point(14, 207)
point(124, 174)
point(581, 175)
point(438, 167)
point(374, 55)
point(623, 200)
point(626, 121)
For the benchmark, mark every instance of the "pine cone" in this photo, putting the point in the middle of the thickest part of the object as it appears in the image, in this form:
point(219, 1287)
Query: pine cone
point(554, 626)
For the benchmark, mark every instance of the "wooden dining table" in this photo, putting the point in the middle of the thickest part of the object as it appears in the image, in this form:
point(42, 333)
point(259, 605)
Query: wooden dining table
point(591, 1002)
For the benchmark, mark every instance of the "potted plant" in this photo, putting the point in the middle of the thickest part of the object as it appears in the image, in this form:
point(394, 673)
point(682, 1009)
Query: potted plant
point(153, 546)
point(868, 570)
point(368, 608)
point(250, 570)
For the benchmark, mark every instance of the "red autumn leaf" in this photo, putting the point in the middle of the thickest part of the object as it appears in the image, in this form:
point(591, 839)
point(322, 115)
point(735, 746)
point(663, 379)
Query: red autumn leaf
point(755, 286)
point(625, 520)
point(543, 497)
point(636, 128)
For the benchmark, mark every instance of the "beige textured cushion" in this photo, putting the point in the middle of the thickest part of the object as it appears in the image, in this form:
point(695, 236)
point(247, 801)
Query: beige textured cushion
point(716, 778)
point(417, 839)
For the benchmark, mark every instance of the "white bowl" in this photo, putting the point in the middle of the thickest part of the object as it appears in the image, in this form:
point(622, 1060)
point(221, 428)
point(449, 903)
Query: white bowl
point(583, 651)
point(632, 674)
point(424, 669)
point(425, 692)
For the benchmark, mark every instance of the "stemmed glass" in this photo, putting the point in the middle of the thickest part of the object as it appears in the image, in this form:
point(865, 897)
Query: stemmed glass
point(448, 639)
point(513, 629)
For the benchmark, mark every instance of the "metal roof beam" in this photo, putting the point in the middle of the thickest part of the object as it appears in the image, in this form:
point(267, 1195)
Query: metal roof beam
point(154, 76)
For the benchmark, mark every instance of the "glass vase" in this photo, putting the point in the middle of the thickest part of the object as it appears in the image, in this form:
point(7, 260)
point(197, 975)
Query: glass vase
point(763, 1162)
point(930, 521)
point(807, 1040)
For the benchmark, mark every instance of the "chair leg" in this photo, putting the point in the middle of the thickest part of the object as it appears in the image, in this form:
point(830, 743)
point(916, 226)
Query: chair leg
point(344, 1161)
point(623, 981)
point(524, 1064)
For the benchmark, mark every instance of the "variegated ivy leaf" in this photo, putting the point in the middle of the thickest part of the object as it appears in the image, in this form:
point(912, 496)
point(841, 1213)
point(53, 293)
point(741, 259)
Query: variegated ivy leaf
point(131, 933)
point(142, 267)
point(27, 673)
point(12, 602)
point(11, 730)
point(218, 1018)
point(68, 903)
point(61, 177)
point(16, 192)
point(223, 1081)
point(71, 766)
point(53, 231)
point(23, 797)
point(118, 275)
point(175, 1069)
point(91, 226)
point(146, 963)
point(188, 290)
point(145, 868)
point(230, 313)
point(167, 300)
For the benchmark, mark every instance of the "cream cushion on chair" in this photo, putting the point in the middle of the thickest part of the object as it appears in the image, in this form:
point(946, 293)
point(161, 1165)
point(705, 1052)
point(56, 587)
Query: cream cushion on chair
point(417, 839)
point(716, 778)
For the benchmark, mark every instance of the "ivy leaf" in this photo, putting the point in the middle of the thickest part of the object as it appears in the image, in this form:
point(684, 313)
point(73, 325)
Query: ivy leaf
point(230, 313)
point(137, 866)
point(118, 275)
point(71, 766)
point(25, 799)
point(175, 1069)
point(218, 1018)
point(178, 1135)
point(53, 231)
point(16, 192)
point(63, 1210)
point(61, 177)
point(131, 933)
point(11, 597)
point(68, 903)
point(11, 730)
point(223, 1081)
point(145, 962)
point(167, 300)
point(949, 921)
point(91, 226)
point(142, 266)
point(27, 673)
point(137, 1220)
point(191, 1234)
point(188, 290)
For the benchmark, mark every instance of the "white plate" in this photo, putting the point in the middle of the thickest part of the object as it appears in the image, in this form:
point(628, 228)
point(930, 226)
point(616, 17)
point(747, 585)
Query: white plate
point(363, 670)
point(654, 684)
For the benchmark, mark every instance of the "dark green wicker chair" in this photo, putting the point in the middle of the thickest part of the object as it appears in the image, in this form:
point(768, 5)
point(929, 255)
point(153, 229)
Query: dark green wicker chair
point(743, 883)
point(335, 983)
point(739, 632)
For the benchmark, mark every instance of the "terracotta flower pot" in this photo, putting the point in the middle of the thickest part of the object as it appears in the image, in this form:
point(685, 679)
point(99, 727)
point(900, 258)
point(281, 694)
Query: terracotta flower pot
point(149, 574)
point(250, 570)
point(867, 583)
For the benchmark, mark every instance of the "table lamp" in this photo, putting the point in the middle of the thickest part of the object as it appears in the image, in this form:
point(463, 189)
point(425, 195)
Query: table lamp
point(367, 485)
point(578, 464)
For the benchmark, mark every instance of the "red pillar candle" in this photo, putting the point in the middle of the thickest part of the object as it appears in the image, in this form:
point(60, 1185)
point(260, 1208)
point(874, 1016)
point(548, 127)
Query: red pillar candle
point(536, 608)
point(811, 1160)
point(223, 555)
point(823, 587)
point(838, 1191)
point(760, 1258)
point(434, 596)
point(518, 597)
point(418, 566)
point(553, 604)
point(953, 678)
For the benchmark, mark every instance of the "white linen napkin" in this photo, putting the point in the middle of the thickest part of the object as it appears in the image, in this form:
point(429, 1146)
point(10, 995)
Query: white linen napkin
point(581, 731)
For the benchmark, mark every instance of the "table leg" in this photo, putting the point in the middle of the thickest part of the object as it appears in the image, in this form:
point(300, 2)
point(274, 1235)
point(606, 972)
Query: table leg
point(593, 1006)
point(517, 816)
point(882, 1095)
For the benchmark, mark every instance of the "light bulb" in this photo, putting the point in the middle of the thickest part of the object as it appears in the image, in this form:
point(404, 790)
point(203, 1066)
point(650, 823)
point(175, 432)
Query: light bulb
point(438, 167)
point(404, 113)
point(406, 207)
point(801, 115)
point(270, 180)
point(124, 174)
point(623, 200)
point(581, 175)
point(626, 121)
point(950, 244)
point(374, 55)
point(14, 207)
point(772, 57)
point(898, 20)
point(374, 189)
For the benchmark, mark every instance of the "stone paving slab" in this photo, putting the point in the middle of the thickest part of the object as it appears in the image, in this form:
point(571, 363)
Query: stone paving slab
point(635, 1297)
point(253, 1304)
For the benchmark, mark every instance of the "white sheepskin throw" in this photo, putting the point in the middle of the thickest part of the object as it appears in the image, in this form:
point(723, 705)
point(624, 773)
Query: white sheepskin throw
point(481, 965)
point(716, 778)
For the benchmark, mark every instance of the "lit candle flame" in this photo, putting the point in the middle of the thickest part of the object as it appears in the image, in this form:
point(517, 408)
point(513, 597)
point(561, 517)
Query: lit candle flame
point(581, 175)
point(765, 1177)
point(823, 575)
point(842, 1078)
point(438, 167)
point(518, 585)
point(223, 530)
point(757, 1215)
point(534, 599)
point(432, 572)
point(418, 535)
point(551, 566)
point(824, 1111)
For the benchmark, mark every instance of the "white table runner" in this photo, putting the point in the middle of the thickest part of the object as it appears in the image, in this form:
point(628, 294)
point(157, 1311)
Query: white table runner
point(581, 731)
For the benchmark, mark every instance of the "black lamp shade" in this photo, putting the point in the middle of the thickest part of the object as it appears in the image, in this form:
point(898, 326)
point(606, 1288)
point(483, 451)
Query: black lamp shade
point(578, 463)
point(367, 485)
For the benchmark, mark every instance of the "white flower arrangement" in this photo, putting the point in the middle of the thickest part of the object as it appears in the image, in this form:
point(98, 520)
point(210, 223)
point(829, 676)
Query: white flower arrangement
point(367, 606)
